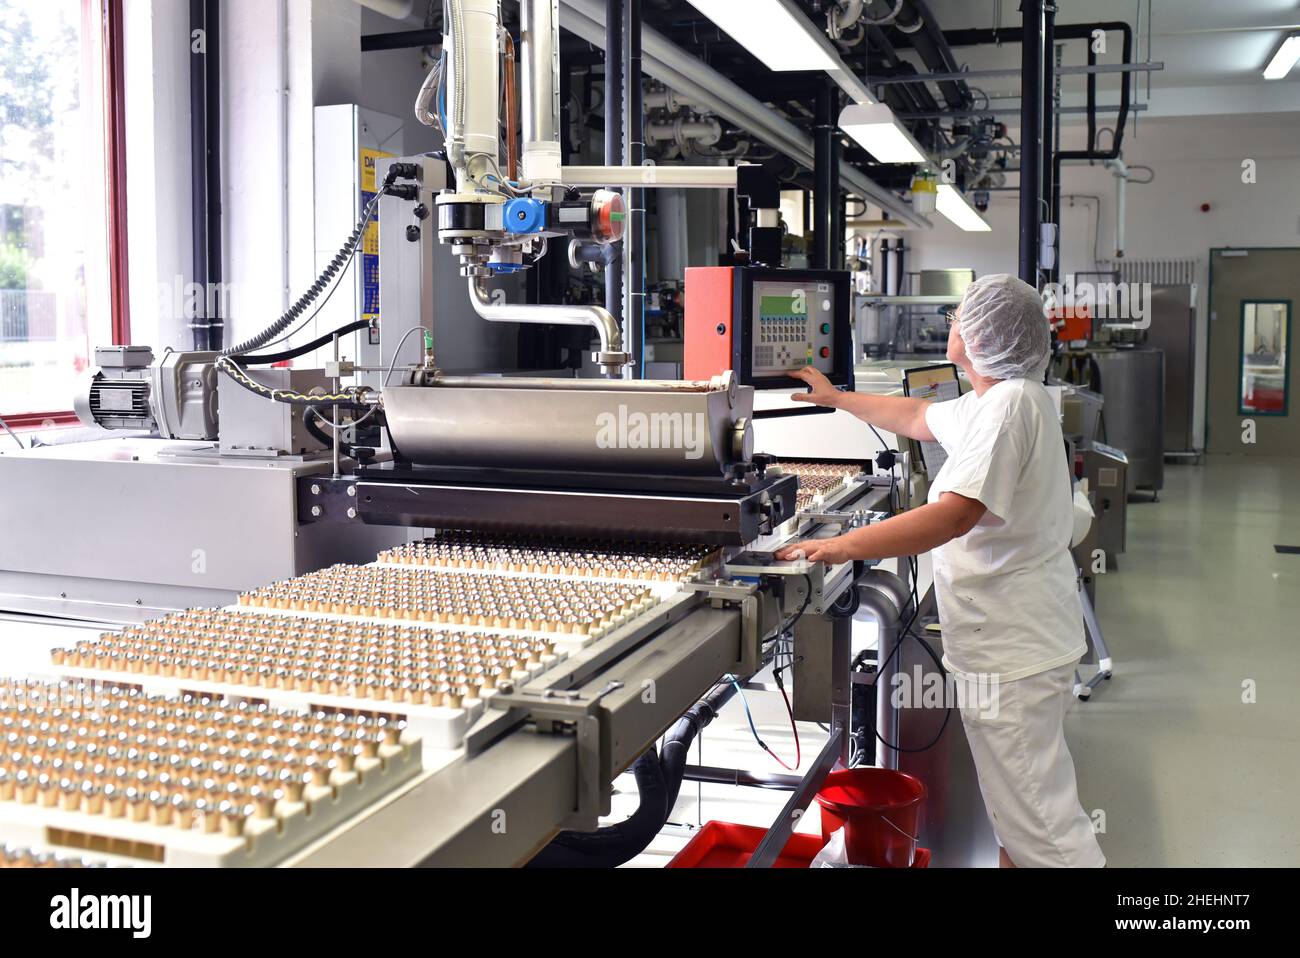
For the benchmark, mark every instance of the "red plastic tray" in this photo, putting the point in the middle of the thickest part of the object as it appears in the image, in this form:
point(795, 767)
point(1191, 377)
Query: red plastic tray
point(727, 845)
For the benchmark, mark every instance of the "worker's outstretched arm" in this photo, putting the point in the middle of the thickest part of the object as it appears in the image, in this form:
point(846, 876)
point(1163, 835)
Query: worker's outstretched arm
point(901, 415)
point(911, 533)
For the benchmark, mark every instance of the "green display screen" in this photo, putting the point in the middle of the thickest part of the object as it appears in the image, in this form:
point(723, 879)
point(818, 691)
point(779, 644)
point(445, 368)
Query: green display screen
point(777, 306)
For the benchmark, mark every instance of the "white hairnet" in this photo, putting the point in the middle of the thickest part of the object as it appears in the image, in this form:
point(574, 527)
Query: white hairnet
point(1005, 328)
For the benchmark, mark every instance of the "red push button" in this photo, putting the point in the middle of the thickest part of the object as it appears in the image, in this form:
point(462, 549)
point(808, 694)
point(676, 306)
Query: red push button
point(826, 351)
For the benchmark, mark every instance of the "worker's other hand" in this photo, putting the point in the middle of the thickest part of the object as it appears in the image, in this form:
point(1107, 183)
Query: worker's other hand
point(822, 392)
point(831, 551)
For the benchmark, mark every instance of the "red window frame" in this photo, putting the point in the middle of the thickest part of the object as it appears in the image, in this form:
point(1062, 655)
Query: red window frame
point(107, 17)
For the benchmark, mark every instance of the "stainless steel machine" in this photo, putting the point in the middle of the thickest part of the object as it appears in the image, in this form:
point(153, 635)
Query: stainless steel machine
point(1173, 332)
point(1131, 379)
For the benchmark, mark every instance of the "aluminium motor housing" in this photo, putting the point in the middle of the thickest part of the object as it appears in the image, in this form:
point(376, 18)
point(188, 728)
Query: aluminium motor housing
point(175, 396)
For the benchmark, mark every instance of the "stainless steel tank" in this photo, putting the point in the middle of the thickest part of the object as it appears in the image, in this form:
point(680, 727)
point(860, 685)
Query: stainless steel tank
point(1132, 384)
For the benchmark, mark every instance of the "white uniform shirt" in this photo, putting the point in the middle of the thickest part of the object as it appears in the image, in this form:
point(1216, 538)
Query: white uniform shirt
point(1007, 595)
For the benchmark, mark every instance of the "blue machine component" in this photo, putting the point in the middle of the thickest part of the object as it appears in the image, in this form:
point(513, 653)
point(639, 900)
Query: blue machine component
point(502, 269)
point(525, 215)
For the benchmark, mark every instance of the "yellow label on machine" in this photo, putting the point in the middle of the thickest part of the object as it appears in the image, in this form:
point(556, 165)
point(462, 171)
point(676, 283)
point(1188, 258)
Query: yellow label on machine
point(370, 241)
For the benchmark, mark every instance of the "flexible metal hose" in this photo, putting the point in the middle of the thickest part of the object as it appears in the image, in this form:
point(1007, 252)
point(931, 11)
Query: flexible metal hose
point(458, 71)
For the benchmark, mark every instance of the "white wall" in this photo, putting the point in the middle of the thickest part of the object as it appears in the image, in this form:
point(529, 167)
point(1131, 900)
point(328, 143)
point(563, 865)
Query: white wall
point(158, 170)
point(1197, 160)
point(390, 80)
point(280, 59)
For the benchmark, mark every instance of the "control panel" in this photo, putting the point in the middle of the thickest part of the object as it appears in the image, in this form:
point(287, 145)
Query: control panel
point(793, 327)
point(765, 323)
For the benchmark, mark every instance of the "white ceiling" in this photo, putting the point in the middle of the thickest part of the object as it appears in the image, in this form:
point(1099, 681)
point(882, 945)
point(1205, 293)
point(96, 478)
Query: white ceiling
point(1213, 51)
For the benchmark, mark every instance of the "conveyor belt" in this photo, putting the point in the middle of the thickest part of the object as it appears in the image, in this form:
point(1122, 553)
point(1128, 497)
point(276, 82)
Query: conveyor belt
point(535, 653)
point(566, 606)
point(191, 782)
point(389, 646)
point(820, 479)
point(590, 558)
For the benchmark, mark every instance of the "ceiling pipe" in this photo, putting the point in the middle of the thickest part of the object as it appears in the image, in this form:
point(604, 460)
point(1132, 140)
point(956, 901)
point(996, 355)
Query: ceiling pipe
point(706, 132)
point(929, 42)
point(706, 87)
point(666, 99)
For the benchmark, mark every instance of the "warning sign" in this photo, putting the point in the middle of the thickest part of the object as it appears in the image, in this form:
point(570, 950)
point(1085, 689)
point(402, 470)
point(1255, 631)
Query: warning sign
point(370, 242)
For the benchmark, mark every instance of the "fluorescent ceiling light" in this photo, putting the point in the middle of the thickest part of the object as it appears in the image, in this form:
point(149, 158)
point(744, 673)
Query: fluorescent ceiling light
point(775, 31)
point(880, 134)
point(1287, 54)
point(952, 204)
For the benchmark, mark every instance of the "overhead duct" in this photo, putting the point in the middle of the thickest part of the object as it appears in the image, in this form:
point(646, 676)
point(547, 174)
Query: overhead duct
point(928, 40)
point(700, 84)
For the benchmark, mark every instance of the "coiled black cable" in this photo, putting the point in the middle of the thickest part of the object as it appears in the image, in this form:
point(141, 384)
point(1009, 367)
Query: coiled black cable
point(340, 260)
point(268, 359)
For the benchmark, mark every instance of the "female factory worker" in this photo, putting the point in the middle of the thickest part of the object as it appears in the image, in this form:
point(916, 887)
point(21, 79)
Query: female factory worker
point(998, 521)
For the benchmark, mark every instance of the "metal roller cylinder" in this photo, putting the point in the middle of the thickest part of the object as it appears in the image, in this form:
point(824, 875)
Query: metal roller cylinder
point(655, 432)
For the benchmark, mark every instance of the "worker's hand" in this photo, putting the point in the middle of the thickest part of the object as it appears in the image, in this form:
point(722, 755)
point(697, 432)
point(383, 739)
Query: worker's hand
point(832, 551)
point(823, 393)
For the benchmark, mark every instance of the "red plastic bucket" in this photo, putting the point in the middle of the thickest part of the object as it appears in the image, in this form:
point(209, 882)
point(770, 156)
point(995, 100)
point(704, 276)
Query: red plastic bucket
point(879, 810)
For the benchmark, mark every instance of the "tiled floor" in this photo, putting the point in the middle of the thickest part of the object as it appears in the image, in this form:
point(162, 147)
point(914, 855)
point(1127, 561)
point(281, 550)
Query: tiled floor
point(1186, 772)
point(1187, 768)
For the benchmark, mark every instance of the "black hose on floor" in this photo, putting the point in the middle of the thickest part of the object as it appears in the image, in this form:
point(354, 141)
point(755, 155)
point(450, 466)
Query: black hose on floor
point(659, 780)
point(617, 844)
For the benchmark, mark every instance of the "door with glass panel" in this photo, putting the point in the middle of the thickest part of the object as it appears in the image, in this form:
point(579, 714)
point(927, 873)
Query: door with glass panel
point(1251, 377)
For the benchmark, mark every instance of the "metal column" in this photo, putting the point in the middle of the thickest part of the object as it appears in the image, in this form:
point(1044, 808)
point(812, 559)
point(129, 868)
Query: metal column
point(1031, 136)
point(205, 172)
point(614, 135)
point(198, 179)
point(634, 153)
point(826, 191)
point(1051, 124)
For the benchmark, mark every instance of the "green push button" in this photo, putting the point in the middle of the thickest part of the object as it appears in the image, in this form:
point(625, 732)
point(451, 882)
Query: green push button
point(826, 328)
